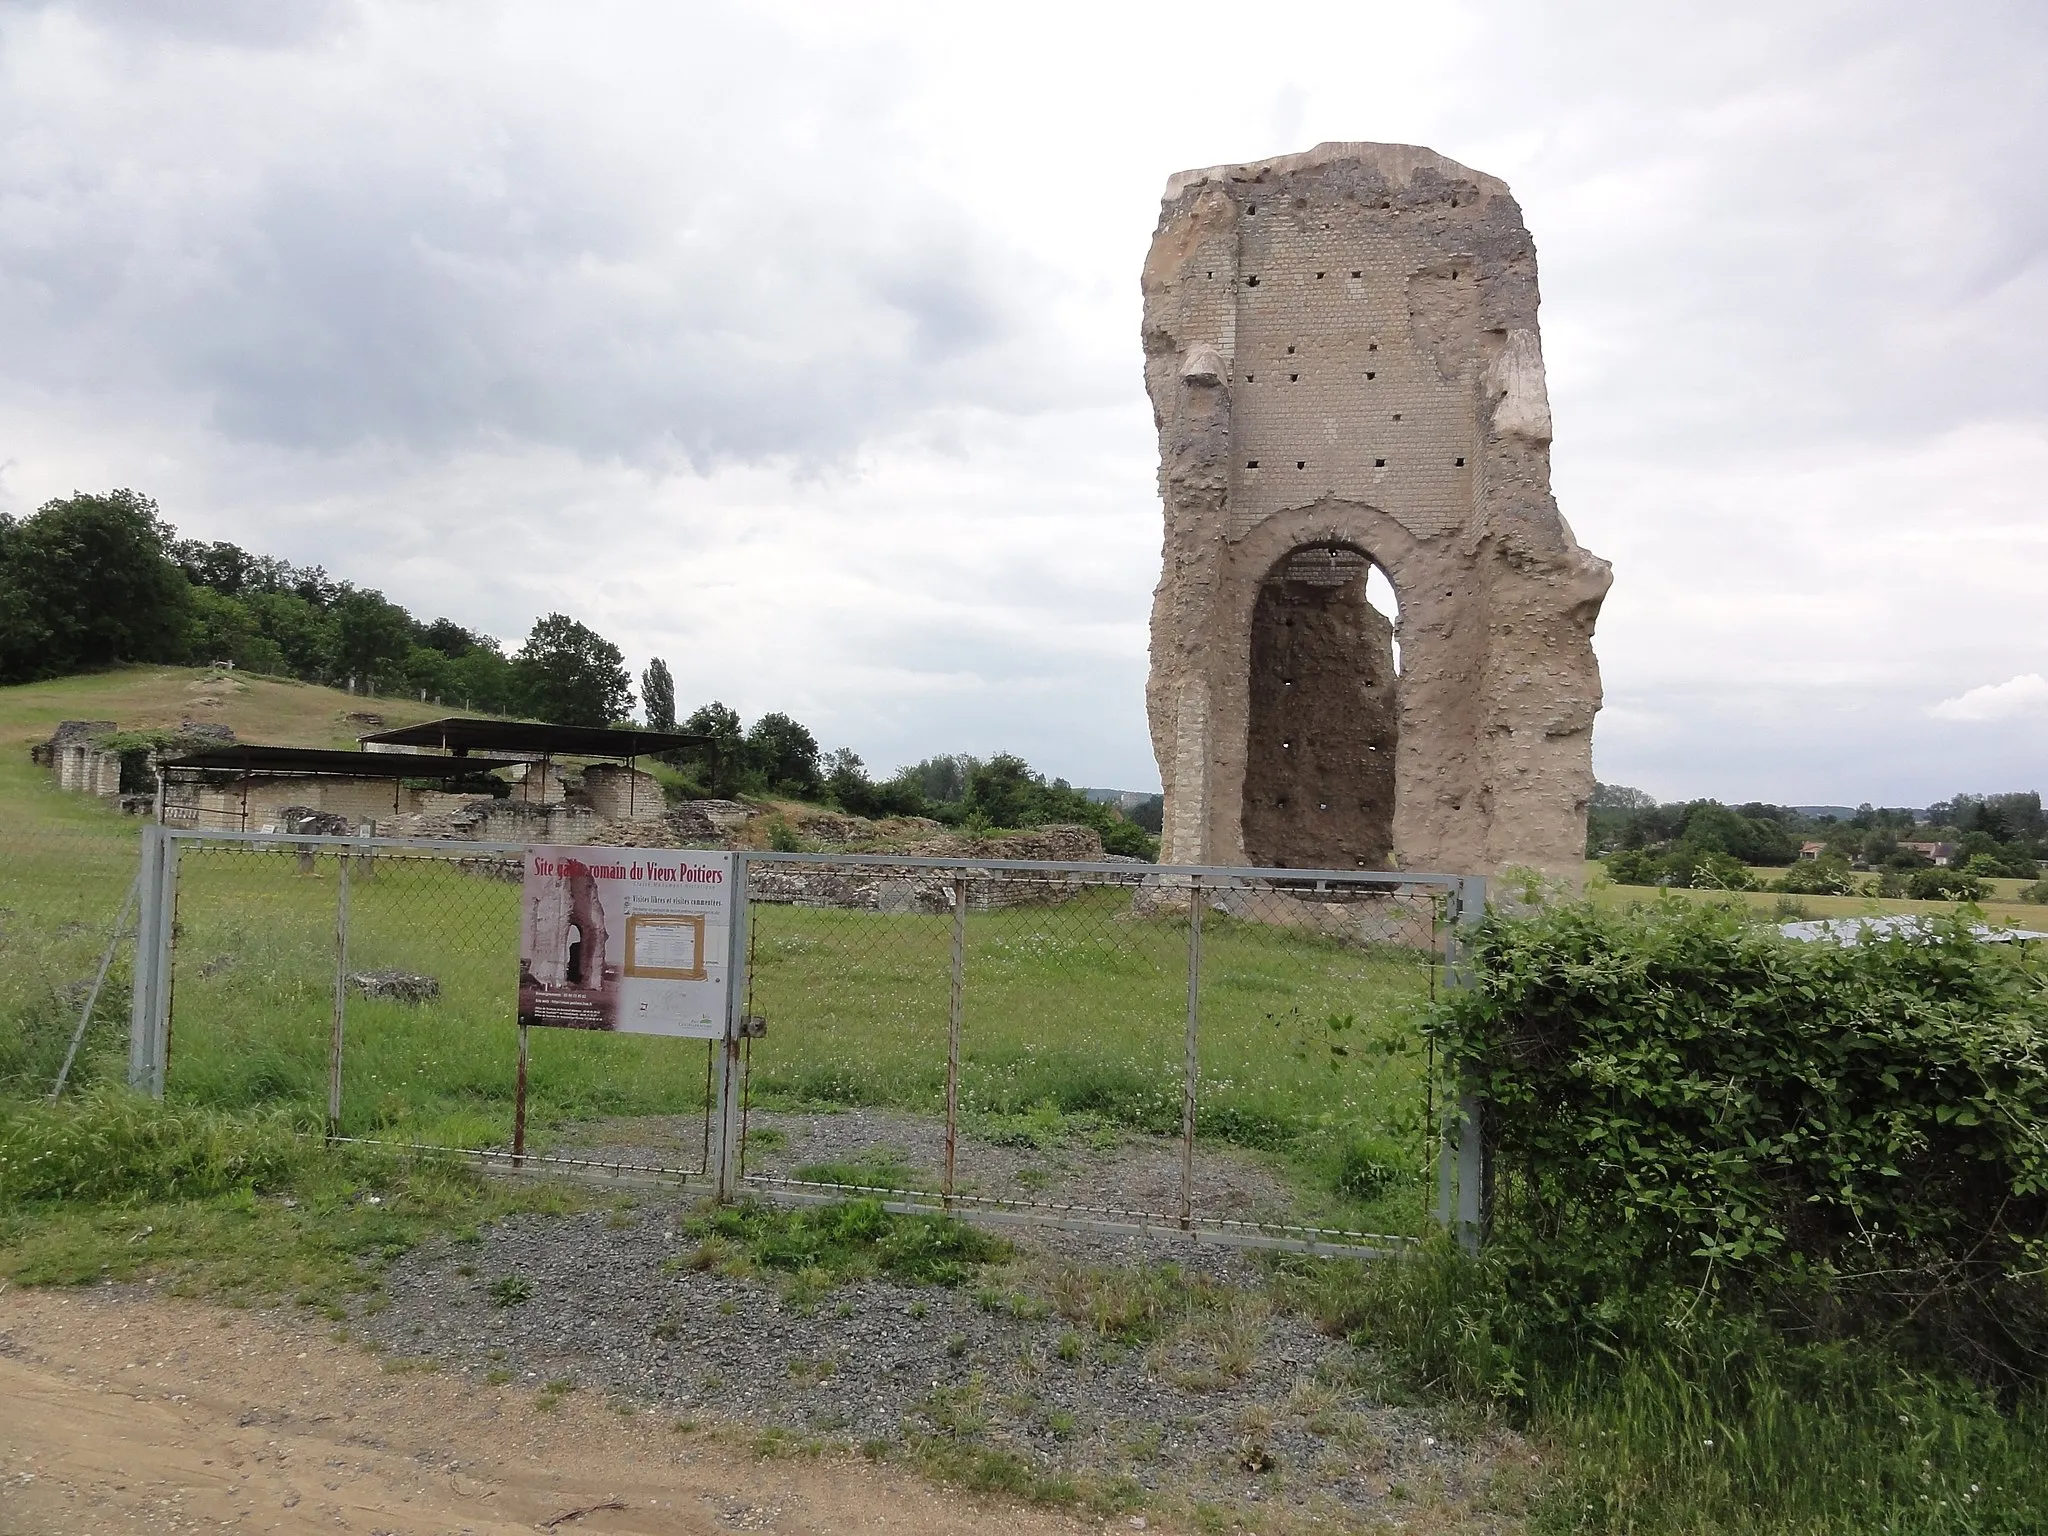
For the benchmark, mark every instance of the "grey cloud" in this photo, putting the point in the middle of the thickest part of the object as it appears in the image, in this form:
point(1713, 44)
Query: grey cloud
point(1826, 222)
point(240, 23)
point(440, 293)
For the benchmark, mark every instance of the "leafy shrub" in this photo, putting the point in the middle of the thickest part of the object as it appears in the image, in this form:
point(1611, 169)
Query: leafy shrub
point(1681, 1102)
point(1825, 876)
point(2037, 892)
point(1707, 869)
point(1944, 885)
point(1634, 866)
point(1684, 864)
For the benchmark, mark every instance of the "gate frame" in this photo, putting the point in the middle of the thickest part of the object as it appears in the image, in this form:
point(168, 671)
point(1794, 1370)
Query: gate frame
point(1461, 1162)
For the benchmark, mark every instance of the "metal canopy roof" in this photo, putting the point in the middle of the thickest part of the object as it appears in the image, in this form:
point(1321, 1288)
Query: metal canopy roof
point(460, 736)
point(331, 764)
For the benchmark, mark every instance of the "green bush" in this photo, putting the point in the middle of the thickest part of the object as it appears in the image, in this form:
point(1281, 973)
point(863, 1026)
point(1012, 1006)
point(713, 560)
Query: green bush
point(1634, 866)
point(1945, 885)
point(2037, 892)
point(1683, 1103)
point(1707, 869)
point(1827, 875)
point(1683, 864)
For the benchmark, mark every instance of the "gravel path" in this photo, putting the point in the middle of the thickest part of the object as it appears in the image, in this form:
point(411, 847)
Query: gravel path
point(1108, 1170)
point(1235, 1403)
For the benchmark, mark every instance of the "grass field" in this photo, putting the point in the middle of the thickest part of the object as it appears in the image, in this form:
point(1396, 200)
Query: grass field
point(1073, 1016)
point(66, 860)
point(2002, 908)
point(1072, 1012)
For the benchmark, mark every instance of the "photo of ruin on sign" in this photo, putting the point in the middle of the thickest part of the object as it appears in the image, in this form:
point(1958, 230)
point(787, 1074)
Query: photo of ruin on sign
point(625, 939)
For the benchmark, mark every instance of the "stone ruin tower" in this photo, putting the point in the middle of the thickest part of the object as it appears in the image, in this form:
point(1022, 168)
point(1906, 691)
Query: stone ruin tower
point(1342, 356)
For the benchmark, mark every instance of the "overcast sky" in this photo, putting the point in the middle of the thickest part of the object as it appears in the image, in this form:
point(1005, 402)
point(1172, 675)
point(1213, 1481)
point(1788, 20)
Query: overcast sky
point(798, 343)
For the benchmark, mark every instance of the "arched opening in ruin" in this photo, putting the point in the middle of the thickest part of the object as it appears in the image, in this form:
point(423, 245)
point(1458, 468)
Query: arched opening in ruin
point(1324, 713)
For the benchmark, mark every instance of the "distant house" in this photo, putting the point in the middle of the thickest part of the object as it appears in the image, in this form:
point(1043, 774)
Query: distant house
point(1940, 853)
point(1812, 850)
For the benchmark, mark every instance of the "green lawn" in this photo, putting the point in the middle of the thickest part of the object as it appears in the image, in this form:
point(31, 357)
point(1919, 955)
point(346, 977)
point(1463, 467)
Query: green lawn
point(2002, 908)
point(1076, 1010)
point(1072, 1012)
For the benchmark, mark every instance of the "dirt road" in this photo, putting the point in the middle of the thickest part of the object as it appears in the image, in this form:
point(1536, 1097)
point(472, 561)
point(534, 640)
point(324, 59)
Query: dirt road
point(126, 1413)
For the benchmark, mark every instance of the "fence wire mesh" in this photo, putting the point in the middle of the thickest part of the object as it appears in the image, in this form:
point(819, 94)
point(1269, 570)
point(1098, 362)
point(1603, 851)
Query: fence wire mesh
point(416, 949)
point(1113, 1045)
point(1022, 1040)
point(64, 888)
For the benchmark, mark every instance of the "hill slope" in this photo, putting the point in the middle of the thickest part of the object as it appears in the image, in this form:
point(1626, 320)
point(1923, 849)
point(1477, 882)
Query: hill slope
point(269, 710)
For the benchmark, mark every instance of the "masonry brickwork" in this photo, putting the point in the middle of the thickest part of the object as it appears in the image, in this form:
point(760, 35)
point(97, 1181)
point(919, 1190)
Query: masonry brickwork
point(1342, 355)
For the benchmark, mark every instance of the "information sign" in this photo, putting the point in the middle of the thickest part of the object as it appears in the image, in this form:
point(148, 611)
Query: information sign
point(625, 939)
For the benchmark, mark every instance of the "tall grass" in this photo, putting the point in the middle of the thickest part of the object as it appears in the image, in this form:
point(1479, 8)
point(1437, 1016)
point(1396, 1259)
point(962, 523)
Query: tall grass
point(62, 884)
point(116, 1147)
point(112, 1186)
point(1727, 1426)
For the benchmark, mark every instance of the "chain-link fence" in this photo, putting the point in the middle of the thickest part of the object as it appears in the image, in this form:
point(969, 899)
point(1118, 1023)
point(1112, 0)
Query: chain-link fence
point(375, 979)
point(66, 892)
point(1231, 1053)
point(1111, 1046)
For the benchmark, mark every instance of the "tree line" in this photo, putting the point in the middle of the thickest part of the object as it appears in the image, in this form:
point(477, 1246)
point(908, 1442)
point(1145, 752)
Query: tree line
point(780, 756)
point(92, 581)
point(1706, 843)
point(96, 580)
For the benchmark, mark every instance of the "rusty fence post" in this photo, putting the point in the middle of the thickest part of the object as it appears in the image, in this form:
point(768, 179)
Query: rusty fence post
point(519, 1106)
point(1462, 1197)
point(1191, 1066)
point(953, 1030)
point(339, 1030)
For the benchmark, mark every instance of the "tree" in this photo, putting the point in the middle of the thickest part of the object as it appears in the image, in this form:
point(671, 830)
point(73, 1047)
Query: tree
point(450, 639)
point(658, 696)
point(222, 629)
point(372, 637)
point(304, 634)
point(943, 779)
point(568, 674)
point(723, 758)
point(1004, 792)
point(1619, 797)
point(428, 673)
point(785, 755)
point(848, 786)
point(1634, 866)
point(86, 582)
point(481, 678)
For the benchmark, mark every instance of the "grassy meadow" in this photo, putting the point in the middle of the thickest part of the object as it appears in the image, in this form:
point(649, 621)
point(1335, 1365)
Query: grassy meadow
point(68, 859)
point(1074, 1014)
point(1073, 1021)
point(2002, 909)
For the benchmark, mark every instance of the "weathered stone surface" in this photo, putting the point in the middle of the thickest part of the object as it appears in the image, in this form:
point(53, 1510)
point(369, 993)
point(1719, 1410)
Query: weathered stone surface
point(307, 820)
point(395, 986)
point(1343, 359)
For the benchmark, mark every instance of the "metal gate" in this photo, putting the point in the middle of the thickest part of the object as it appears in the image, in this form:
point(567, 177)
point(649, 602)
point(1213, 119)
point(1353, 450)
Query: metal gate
point(1109, 1046)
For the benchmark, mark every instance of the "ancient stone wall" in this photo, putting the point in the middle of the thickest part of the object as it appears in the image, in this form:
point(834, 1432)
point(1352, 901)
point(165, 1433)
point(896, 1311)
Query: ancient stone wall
point(1342, 355)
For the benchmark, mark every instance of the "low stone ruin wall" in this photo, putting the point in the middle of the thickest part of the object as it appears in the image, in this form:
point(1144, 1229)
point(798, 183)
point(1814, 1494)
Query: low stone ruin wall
point(873, 888)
